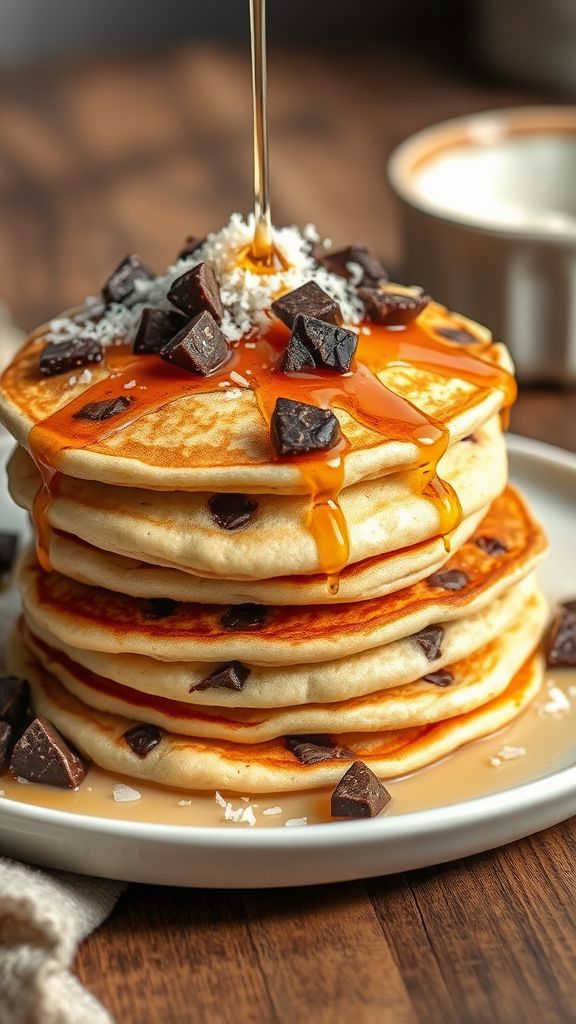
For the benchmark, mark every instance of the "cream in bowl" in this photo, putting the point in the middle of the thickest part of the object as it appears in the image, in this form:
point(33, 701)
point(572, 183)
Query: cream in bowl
point(489, 210)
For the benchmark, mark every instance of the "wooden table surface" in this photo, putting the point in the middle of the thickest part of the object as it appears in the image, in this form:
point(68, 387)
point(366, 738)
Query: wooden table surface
point(102, 157)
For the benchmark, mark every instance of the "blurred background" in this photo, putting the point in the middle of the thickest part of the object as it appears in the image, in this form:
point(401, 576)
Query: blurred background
point(126, 125)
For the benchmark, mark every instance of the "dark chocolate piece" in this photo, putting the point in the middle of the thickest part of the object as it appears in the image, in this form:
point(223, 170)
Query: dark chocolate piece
point(14, 700)
point(43, 755)
point(97, 411)
point(230, 677)
point(241, 617)
point(313, 749)
point(297, 428)
point(459, 334)
point(359, 794)
point(311, 300)
point(159, 608)
point(143, 738)
point(393, 309)
point(121, 284)
point(443, 677)
point(231, 511)
point(317, 345)
point(6, 742)
point(200, 347)
point(562, 643)
point(191, 245)
point(337, 262)
point(156, 328)
point(448, 579)
point(491, 545)
point(197, 291)
point(430, 640)
point(63, 356)
point(8, 546)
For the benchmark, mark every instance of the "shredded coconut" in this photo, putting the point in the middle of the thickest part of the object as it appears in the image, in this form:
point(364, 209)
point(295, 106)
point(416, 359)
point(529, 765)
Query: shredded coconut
point(130, 384)
point(239, 379)
point(184, 803)
point(557, 703)
point(125, 794)
point(85, 377)
point(295, 822)
point(507, 753)
point(72, 381)
point(236, 814)
point(23, 782)
point(247, 297)
point(272, 810)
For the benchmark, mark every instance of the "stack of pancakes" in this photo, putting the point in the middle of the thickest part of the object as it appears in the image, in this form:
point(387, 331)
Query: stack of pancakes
point(182, 629)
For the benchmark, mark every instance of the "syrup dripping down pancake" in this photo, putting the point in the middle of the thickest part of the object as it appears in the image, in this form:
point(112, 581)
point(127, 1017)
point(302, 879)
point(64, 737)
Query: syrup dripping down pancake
point(477, 679)
point(187, 763)
point(181, 432)
point(178, 530)
point(102, 620)
point(380, 668)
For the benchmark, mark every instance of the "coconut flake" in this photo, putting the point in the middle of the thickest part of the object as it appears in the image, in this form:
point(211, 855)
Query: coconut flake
point(125, 794)
point(557, 703)
point(184, 803)
point(272, 810)
point(507, 753)
point(295, 822)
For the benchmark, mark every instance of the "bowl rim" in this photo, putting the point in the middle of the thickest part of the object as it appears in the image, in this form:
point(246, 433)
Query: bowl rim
point(480, 130)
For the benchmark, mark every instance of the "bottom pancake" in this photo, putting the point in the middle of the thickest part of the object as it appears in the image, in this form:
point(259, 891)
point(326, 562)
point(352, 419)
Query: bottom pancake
point(191, 763)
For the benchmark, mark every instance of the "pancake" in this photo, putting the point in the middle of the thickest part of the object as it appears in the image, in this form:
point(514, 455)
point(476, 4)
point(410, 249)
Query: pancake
point(101, 620)
point(177, 529)
point(381, 668)
point(476, 680)
point(189, 763)
point(372, 577)
point(223, 442)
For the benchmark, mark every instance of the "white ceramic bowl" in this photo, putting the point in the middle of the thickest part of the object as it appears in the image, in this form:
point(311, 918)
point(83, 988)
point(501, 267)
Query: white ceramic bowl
point(489, 214)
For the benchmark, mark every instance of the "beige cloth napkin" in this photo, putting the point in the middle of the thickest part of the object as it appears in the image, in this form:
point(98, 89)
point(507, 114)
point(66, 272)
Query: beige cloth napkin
point(44, 916)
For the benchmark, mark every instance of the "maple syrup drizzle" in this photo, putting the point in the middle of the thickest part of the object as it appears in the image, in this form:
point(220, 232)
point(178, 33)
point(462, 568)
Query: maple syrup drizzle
point(358, 393)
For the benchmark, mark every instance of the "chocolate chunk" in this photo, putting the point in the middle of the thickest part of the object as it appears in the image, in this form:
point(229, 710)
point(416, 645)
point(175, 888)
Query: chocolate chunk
point(6, 740)
point(8, 545)
point(297, 428)
point(562, 644)
point(14, 700)
point(197, 292)
point(430, 640)
point(156, 328)
point(313, 749)
point(231, 511)
point(317, 345)
point(440, 678)
point(191, 245)
point(338, 263)
point(43, 755)
point(122, 283)
point(63, 356)
point(230, 677)
point(359, 794)
point(491, 545)
point(199, 347)
point(309, 300)
point(97, 411)
point(159, 608)
point(241, 617)
point(459, 334)
point(143, 738)
point(393, 309)
point(448, 579)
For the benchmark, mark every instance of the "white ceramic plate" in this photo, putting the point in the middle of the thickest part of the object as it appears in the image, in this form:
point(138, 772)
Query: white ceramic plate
point(238, 856)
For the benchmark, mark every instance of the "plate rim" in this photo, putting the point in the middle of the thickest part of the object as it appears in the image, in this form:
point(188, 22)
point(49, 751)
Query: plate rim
point(519, 798)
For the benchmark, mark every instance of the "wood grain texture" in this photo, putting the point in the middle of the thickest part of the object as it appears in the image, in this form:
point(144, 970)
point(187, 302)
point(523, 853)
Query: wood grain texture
point(104, 157)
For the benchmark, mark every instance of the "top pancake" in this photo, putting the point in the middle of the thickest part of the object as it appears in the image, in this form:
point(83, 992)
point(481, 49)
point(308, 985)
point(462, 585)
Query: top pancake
point(218, 437)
